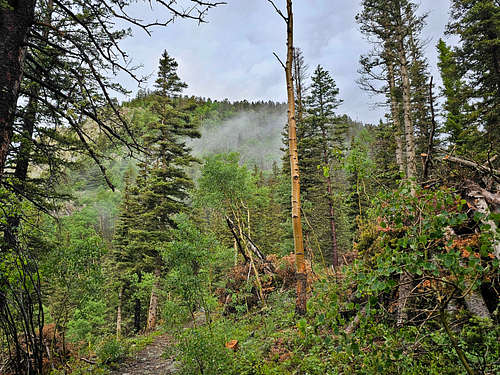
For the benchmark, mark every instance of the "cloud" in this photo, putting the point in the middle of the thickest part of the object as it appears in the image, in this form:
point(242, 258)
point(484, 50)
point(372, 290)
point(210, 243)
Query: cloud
point(232, 56)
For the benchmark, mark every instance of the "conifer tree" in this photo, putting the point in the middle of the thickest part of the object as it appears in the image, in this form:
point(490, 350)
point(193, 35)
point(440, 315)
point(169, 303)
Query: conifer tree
point(475, 22)
point(323, 137)
point(461, 136)
point(162, 184)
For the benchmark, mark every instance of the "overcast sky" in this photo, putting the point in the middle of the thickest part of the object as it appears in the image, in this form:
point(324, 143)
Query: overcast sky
point(231, 56)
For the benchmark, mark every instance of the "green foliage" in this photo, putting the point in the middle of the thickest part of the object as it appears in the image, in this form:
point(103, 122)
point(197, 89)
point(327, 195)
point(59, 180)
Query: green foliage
point(202, 351)
point(188, 257)
point(88, 323)
point(110, 351)
point(476, 23)
point(224, 184)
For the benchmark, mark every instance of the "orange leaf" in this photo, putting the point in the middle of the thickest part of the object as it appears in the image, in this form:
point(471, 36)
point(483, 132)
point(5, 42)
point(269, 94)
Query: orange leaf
point(233, 345)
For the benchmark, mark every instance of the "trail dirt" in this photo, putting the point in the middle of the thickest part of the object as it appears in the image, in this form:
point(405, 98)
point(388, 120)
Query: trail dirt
point(150, 361)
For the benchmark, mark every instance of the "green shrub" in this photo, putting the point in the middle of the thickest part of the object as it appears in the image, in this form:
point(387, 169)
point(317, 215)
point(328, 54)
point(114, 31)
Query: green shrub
point(110, 351)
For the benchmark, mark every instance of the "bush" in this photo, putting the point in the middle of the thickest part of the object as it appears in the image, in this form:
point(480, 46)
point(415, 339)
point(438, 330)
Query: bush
point(110, 351)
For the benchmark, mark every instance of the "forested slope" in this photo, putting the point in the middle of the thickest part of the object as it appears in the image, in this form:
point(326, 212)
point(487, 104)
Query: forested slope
point(165, 222)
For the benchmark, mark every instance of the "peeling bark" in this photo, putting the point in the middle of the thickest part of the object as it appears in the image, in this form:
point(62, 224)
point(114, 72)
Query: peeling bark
point(404, 291)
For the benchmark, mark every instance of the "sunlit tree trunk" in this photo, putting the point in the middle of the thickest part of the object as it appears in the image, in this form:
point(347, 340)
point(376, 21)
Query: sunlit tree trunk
point(298, 240)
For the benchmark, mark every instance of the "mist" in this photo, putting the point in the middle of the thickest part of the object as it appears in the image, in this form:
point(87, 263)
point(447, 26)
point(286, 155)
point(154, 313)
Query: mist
point(255, 134)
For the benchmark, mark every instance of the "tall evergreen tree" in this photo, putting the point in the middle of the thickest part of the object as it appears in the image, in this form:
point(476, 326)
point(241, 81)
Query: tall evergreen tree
point(162, 183)
point(476, 23)
point(462, 136)
point(323, 137)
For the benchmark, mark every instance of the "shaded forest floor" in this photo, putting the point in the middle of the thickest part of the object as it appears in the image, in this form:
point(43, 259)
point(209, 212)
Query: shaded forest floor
point(150, 360)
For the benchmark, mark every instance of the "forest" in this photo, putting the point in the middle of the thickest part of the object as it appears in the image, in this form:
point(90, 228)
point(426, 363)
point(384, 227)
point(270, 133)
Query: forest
point(168, 233)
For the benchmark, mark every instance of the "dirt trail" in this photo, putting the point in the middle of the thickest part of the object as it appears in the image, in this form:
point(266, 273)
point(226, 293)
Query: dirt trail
point(149, 361)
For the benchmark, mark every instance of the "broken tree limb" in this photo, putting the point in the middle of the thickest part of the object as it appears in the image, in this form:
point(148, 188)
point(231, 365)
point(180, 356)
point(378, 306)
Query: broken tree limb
point(230, 224)
point(268, 266)
point(355, 322)
point(478, 198)
point(468, 163)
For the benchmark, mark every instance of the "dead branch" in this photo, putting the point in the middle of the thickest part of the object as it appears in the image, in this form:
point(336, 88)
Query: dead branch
point(468, 163)
point(230, 224)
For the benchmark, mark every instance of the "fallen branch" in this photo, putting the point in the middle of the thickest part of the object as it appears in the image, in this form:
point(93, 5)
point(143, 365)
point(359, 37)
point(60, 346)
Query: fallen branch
point(230, 224)
point(472, 164)
point(90, 362)
point(355, 322)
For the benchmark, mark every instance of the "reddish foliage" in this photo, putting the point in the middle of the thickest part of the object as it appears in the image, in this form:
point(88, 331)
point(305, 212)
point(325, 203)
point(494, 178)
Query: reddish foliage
point(283, 279)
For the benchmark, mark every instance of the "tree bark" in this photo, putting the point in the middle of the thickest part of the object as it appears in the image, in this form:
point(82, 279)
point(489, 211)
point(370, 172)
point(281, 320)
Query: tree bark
point(405, 280)
point(404, 291)
point(395, 114)
point(298, 241)
point(119, 314)
point(153, 302)
point(411, 163)
point(478, 198)
point(16, 19)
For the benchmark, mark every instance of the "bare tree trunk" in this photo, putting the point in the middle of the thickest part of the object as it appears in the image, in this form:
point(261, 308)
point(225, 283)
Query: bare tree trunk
point(404, 291)
point(153, 302)
point(405, 280)
point(16, 18)
point(300, 306)
point(395, 115)
point(119, 314)
point(411, 162)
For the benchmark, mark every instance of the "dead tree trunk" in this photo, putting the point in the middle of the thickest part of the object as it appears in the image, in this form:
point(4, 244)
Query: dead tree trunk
point(153, 302)
point(395, 114)
point(119, 314)
point(298, 240)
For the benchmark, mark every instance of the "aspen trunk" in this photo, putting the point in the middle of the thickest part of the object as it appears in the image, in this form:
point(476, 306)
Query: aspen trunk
point(395, 117)
point(119, 315)
point(153, 302)
point(298, 241)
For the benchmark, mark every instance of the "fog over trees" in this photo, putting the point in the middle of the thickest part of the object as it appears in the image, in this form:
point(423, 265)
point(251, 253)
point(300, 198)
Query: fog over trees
point(160, 232)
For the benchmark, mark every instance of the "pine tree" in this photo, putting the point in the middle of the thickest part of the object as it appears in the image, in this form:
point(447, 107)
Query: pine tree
point(476, 22)
point(168, 83)
point(323, 138)
point(461, 135)
point(162, 184)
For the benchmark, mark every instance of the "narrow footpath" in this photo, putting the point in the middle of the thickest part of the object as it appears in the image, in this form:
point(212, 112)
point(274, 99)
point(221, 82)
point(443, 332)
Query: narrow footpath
point(150, 361)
